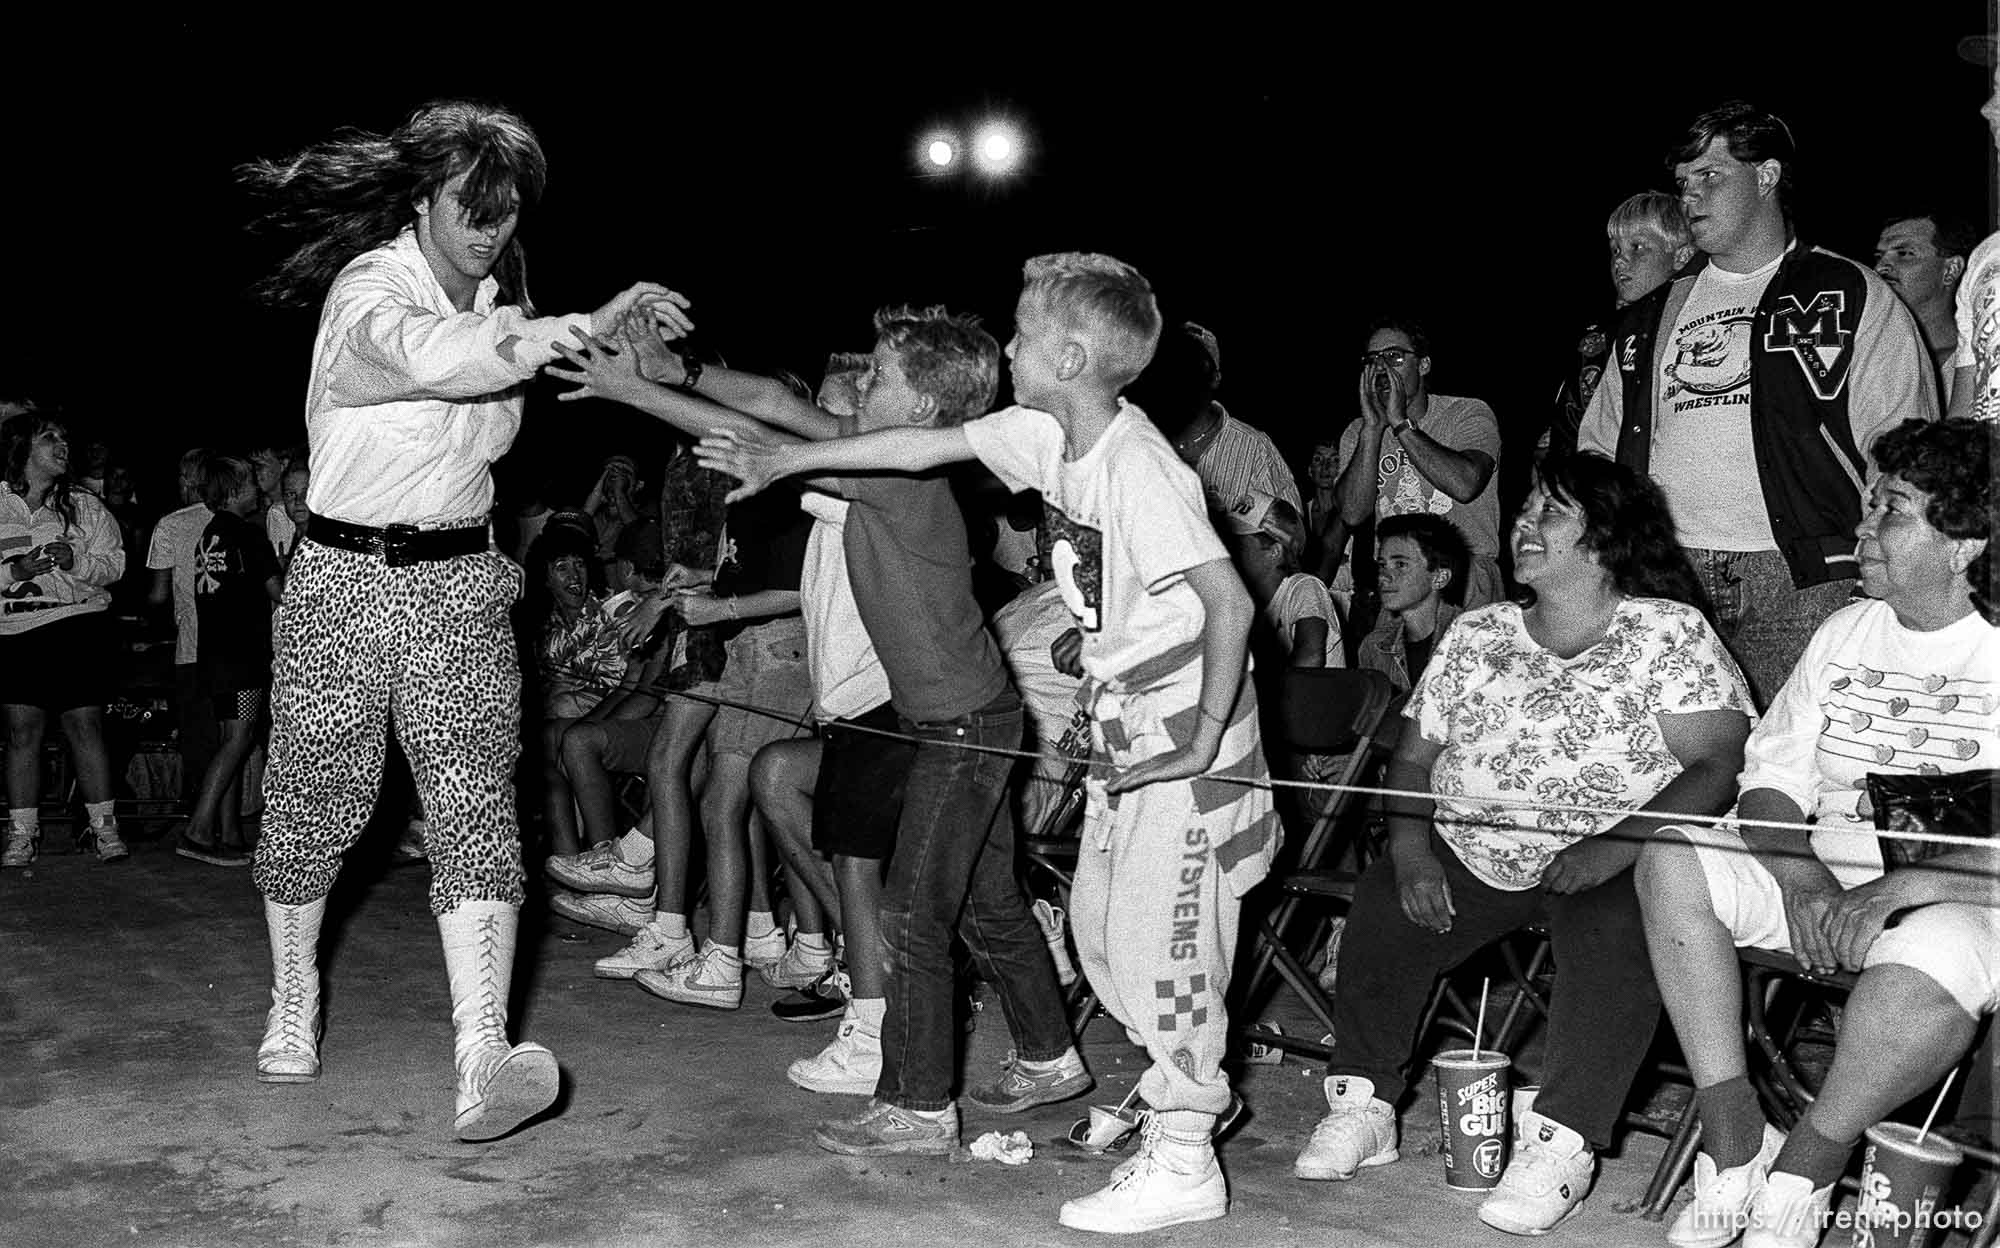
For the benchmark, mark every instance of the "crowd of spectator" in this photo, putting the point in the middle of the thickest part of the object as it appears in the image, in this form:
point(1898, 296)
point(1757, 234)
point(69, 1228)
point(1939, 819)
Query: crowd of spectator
point(1752, 568)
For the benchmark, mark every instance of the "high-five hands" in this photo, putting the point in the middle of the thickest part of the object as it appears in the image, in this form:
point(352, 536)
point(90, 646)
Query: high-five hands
point(667, 308)
point(755, 464)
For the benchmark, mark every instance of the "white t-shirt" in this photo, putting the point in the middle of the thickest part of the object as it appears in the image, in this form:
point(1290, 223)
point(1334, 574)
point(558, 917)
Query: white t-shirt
point(1461, 425)
point(1871, 695)
point(1979, 327)
point(1304, 597)
point(174, 540)
point(847, 677)
point(1126, 520)
point(279, 528)
point(1519, 722)
point(1025, 628)
point(1703, 456)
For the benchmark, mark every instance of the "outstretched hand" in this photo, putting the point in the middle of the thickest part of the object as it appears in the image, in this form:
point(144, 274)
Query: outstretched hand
point(754, 463)
point(667, 308)
point(639, 334)
point(602, 371)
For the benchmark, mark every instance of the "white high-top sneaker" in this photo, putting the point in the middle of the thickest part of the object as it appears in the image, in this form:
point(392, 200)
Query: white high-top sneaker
point(852, 1063)
point(1787, 1212)
point(1720, 1209)
point(1359, 1130)
point(1172, 1179)
point(290, 1050)
point(499, 1087)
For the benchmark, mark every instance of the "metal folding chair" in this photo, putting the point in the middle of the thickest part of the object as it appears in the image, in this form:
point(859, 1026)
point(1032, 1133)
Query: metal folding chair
point(1779, 996)
point(1338, 711)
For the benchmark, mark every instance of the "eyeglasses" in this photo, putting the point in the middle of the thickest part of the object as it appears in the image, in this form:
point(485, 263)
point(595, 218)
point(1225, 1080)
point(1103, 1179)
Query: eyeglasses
point(1390, 357)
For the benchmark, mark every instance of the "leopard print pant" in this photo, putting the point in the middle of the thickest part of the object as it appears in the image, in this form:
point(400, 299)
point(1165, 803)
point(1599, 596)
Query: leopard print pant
point(430, 644)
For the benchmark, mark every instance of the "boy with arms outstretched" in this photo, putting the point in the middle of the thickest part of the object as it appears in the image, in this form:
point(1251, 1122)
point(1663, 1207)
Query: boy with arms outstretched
point(1165, 623)
point(953, 861)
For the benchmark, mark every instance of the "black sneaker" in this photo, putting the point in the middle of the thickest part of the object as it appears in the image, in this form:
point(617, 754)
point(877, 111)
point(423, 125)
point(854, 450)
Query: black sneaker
point(824, 998)
point(214, 855)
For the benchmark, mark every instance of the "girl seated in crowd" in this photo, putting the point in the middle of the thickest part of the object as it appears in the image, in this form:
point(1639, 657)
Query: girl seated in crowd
point(1905, 682)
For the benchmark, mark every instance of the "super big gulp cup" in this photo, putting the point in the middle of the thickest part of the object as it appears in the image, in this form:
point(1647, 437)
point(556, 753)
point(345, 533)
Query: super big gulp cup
point(1473, 1103)
point(1902, 1180)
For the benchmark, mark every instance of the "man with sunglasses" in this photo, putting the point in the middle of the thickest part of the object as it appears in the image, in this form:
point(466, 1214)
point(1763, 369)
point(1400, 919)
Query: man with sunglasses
point(1414, 451)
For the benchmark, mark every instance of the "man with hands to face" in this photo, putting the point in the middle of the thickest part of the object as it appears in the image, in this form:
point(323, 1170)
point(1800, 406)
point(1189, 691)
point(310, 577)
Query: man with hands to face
point(1414, 451)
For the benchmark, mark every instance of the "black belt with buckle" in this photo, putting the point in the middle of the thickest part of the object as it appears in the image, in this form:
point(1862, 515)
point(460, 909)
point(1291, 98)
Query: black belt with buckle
point(400, 545)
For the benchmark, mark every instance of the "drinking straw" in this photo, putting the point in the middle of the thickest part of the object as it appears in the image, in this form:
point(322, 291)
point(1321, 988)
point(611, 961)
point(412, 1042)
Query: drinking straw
point(1937, 1105)
point(1479, 1027)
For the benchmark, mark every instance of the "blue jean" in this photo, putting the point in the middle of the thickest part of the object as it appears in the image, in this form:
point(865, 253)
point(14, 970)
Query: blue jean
point(953, 866)
point(1760, 615)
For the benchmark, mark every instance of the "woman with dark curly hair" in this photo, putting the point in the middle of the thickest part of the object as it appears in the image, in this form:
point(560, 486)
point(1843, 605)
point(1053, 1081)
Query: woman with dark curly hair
point(1610, 691)
point(1905, 683)
point(62, 553)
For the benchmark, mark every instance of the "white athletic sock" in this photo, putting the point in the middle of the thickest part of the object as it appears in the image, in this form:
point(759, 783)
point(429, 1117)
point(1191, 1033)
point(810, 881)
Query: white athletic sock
point(761, 923)
point(675, 925)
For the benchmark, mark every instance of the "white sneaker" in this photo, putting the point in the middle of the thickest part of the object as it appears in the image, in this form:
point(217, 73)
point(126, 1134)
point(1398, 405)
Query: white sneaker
point(600, 869)
point(105, 840)
point(766, 950)
point(652, 949)
point(1051, 920)
point(1165, 1184)
point(1722, 1198)
point(799, 968)
point(22, 846)
point(850, 1065)
point(712, 978)
point(1544, 1183)
point(614, 914)
point(1358, 1130)
point(1788, 1212)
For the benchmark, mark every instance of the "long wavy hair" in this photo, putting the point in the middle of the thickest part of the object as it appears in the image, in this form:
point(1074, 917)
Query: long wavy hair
point(1627, 525)
point(358, 190)
point(17, 441)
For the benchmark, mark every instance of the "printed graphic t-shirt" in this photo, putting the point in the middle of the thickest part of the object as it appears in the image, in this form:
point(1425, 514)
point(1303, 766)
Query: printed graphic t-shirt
point(232, 562)
point(1979, 328)
point(1702, 453)
point(1126, 520)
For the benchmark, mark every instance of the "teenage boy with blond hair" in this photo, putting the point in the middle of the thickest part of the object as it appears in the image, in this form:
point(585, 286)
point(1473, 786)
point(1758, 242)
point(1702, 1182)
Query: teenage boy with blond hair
point(953, 862)
point(1165, 623)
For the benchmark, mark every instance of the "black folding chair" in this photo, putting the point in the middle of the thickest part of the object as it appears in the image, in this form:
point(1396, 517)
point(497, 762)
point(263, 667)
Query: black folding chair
point(1337, 711)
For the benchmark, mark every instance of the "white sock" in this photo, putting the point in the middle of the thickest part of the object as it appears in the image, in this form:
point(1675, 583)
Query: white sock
point(1067, 1058)
point(812, 942)
point(869, 1010)
point(100, 813)
point(27, 820)
point(674, 925)
point(761, 923)
point(629, 847)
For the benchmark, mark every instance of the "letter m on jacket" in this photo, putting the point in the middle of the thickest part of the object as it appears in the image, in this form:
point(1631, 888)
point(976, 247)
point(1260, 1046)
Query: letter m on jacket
point(1818, 336)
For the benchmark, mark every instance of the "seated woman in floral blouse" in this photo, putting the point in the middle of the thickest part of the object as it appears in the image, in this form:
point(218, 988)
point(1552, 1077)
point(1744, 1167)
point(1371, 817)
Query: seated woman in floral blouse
point(1611, 690)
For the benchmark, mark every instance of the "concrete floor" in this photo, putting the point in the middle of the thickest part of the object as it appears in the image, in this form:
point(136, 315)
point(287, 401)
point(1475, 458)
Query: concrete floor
point(132, 998)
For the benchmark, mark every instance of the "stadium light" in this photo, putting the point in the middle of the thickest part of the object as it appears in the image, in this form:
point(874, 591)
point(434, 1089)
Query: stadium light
point(997, 148)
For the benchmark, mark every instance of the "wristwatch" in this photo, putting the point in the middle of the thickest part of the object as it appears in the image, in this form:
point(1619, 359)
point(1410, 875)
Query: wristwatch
point(691, 367)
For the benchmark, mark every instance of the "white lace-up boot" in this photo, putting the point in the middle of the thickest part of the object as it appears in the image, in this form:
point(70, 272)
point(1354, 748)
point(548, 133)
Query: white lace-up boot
point(290, 1051)
point(499, 1087)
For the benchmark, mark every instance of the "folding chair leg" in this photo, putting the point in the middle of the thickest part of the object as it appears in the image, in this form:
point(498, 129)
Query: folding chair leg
point(1674, 1165)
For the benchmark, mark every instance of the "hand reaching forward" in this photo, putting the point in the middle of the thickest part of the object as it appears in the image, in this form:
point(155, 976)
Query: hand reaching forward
point(667, 308)
point(755, 464)
point(602, 371)
point(638, 334)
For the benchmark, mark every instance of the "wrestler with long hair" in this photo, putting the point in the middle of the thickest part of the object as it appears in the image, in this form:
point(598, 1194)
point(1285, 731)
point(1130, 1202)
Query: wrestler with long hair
point(397, 604)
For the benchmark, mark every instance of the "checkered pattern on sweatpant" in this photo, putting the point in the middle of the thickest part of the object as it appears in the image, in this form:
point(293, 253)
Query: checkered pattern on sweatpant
point(431, 645)
point(1177, 857)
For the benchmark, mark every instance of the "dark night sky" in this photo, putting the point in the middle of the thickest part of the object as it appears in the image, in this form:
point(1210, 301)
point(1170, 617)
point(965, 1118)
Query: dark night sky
point(1278, 183)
